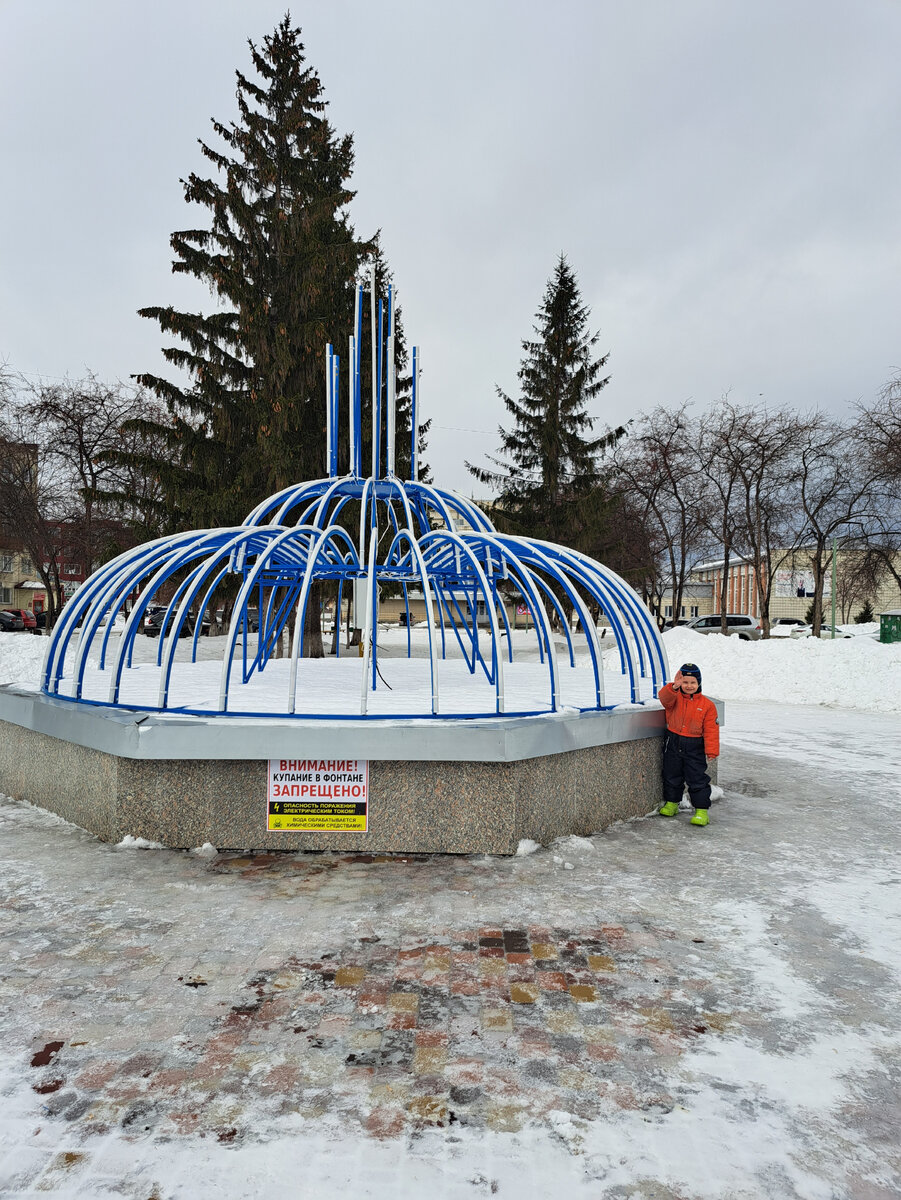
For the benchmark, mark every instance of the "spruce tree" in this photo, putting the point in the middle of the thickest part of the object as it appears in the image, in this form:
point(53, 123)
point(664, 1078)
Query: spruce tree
point(281, 257)
point(865, 616)
point(546, 476)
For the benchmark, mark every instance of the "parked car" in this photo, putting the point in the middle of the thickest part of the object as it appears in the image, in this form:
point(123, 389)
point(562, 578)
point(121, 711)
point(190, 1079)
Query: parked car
point(789, 627)
point(742, 625)
point(118, 622)
point(826, 632)
point(11, 622)
point(253, 619)
point(155, 615)
point(28, 621)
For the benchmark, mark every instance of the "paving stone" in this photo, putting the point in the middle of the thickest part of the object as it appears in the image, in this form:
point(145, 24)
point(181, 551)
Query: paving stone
point(524, 993)
point(348, 976)
point(583, 992)
point(407, 1002)
point(544, 950)
point(497, 1020)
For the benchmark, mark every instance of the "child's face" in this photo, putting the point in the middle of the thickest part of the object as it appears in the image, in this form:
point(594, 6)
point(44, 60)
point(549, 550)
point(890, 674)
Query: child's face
point(689, 685)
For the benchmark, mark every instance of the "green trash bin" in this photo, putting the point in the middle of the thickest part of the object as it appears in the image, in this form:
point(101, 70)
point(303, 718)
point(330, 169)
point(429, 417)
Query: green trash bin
point(890, 625)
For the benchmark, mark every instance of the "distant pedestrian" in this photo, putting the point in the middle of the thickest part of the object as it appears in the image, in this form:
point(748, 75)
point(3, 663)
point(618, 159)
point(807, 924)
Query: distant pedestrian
point(692, 742)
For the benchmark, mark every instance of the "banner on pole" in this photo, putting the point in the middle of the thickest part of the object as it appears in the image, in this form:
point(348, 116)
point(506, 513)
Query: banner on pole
point(318, 795)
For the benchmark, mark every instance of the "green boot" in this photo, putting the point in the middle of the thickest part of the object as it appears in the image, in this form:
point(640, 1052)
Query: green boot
point(669, 809)
point(701, 817)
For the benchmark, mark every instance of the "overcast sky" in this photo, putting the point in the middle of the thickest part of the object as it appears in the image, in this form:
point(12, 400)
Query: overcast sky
point(723, 175)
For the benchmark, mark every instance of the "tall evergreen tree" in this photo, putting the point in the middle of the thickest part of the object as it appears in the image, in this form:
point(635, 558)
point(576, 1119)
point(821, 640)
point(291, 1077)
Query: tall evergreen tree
point(546, 475)
point(281, 257)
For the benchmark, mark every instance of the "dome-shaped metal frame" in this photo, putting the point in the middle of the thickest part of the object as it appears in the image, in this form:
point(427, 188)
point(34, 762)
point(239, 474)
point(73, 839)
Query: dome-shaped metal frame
point(411, 534)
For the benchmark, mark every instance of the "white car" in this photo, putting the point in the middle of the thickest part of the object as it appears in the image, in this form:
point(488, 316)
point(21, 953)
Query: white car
point(118, 622)
point(789, 627)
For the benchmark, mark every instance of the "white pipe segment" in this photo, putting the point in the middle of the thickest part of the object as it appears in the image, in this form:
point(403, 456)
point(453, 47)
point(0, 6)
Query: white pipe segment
point(369, 626)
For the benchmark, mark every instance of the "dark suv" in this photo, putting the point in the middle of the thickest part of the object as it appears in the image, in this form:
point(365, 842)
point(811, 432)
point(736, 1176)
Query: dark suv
point(743, 625)
point(11, 622)
point(28, 621)
point(155, 615)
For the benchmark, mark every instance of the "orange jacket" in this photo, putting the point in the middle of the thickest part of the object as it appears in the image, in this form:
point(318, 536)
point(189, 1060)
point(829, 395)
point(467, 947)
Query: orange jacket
point(691, 716)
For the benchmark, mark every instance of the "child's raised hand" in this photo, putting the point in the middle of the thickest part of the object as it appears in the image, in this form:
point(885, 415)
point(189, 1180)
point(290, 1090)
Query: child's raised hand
point(677, 679)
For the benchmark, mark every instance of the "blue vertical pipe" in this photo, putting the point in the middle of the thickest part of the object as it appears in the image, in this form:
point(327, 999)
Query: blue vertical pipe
point(414, 422)
point(377, 421)
point(351, 396)
point(390, 377)
point(374, 348)
point(358, 388)
point(328, 408)
point(333, 448)
point(374, 610)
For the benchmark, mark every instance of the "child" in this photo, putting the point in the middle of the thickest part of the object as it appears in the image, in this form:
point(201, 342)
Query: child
point(692, 741)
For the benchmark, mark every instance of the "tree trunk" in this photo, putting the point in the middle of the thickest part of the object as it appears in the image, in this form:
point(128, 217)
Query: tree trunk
point(817, 561)
point(312, 623)
point(336, 623)
point(762, 590)
point(280, 649)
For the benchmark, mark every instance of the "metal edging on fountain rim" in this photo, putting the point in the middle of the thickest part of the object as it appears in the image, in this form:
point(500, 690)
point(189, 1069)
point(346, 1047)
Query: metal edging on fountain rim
point(158, 736)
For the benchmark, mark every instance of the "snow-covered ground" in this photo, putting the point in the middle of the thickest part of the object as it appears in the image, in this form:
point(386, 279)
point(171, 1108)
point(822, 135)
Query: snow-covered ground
point(857, 672)
point(170, 1029)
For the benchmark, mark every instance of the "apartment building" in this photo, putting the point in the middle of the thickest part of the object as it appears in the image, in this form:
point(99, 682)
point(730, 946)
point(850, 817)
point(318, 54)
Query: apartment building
point(20, 586)
point(794, 585)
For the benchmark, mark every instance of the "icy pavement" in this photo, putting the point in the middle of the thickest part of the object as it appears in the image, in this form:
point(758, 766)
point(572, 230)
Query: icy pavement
point(658, 1011)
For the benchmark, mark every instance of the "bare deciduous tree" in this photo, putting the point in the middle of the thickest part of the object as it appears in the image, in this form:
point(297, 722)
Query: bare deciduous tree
point(838, 493)
point(762, 449)
point(657, 467)
point(722, 480)
point(860, 573)
point(64, 493)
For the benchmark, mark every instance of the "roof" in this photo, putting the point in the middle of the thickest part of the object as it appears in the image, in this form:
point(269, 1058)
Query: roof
point(735, 559)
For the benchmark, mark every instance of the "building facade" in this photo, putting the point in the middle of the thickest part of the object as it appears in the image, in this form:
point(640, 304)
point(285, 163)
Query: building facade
point(20, 586)
point(793, 587)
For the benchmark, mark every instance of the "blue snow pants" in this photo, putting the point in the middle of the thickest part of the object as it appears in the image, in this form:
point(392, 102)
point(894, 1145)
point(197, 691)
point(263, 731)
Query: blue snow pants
point(684, 762)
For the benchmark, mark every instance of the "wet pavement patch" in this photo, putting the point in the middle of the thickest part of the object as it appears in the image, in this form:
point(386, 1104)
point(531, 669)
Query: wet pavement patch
point(46, 1056)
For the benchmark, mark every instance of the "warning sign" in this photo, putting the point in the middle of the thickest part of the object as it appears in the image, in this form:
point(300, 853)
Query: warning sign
point(318, 794)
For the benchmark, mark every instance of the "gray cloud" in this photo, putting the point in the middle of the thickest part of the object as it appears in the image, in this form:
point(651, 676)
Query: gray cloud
point(723, 177)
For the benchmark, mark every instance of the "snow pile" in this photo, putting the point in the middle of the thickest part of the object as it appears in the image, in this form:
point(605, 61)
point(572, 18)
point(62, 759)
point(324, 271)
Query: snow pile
point(527, 846)
point(867, 629)
point(21, 658)
point(138, 843)
point(847, 672)
point(207, 850)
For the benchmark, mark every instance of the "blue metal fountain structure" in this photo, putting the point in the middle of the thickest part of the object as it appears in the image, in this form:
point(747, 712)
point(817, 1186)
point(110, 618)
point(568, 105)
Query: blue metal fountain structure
point(411, 534)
